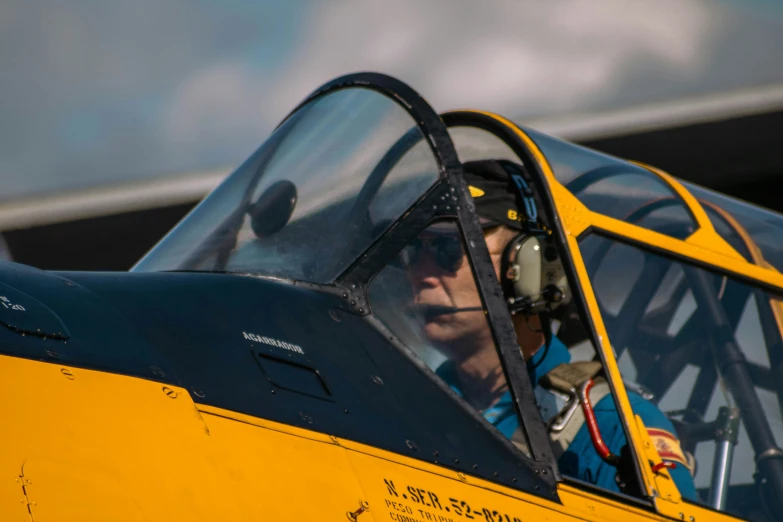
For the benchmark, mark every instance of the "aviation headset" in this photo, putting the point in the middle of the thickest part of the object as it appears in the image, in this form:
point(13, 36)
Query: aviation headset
point(532, 276)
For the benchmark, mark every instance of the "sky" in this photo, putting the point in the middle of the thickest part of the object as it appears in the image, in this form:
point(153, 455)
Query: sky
point(96, 93)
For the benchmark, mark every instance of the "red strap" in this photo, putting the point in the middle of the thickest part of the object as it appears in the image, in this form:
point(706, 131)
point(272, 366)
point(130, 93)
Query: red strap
point(592, 425)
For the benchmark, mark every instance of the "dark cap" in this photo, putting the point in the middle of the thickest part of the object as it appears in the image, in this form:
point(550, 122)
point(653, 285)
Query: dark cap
point(494, 192)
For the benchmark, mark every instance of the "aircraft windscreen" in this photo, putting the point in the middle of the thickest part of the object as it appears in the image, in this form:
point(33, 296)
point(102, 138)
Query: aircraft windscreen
point(474, 144)
point(429, 299)
point(316, 194)
point(616, 188)
point(744, 226)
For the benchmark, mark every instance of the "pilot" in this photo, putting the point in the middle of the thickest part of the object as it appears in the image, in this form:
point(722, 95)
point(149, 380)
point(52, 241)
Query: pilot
point(443, 281)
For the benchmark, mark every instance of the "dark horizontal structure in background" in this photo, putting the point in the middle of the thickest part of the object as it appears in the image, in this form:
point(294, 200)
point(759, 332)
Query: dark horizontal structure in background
point(109, 242)
point(738, 155)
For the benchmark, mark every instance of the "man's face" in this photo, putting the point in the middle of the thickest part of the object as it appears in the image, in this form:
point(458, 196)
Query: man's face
point(445, 291)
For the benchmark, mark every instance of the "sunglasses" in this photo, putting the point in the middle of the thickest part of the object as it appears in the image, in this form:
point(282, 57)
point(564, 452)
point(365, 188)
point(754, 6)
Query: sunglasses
point(446, 251)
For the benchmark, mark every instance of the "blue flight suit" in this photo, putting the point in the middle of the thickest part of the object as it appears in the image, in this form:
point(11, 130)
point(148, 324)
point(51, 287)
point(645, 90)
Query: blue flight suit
point(580, 460)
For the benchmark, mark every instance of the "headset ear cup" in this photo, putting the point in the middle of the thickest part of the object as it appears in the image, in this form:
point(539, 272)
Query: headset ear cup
point(533, 278)
point(508, 269)
point(528, 269)
point(554, 276)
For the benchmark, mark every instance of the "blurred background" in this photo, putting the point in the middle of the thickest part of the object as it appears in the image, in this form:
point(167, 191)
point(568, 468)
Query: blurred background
point(117, 117)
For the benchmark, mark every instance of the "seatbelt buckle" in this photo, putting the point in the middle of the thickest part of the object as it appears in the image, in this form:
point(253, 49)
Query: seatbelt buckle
point(562, 419)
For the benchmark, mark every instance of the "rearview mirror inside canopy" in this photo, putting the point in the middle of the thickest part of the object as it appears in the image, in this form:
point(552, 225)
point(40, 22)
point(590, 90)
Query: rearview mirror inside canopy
point(272, 210)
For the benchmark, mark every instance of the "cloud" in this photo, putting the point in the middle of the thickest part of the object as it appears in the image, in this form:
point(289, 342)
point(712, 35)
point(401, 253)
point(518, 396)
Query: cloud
point(520, 56)
point(517, 57)
point(218, 100)
point(152, 88)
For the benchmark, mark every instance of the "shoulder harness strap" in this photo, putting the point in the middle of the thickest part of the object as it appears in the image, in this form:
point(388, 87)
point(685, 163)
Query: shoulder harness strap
point(566, 379)
point(564, 433)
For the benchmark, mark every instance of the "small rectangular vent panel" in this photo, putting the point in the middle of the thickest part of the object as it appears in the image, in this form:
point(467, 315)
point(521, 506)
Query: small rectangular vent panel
point(294, 376)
